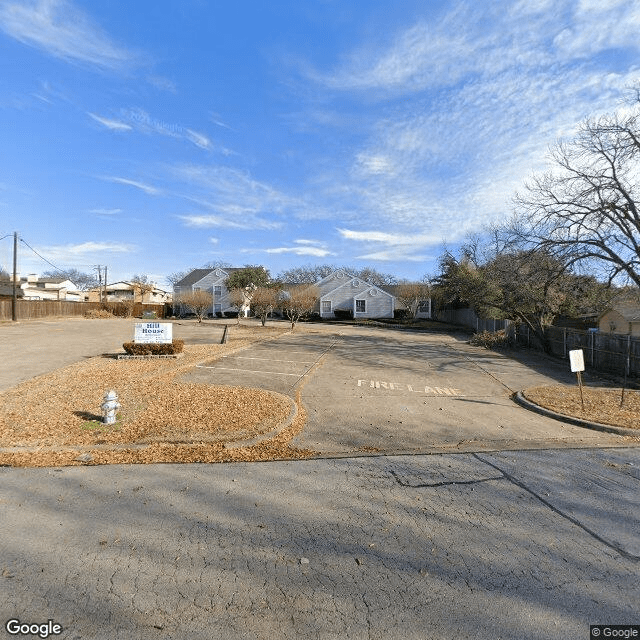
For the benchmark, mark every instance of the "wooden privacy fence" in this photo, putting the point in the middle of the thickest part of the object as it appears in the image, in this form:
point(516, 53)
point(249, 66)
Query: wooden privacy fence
point(34, 309)
point(602, 351)
point(605, 352)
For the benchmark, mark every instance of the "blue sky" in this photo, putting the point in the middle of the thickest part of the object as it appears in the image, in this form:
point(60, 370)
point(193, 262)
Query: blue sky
point(157, 136)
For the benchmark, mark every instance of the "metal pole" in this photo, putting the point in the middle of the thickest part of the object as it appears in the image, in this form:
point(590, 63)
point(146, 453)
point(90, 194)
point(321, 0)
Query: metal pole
point(14, 296)
point(580, 384)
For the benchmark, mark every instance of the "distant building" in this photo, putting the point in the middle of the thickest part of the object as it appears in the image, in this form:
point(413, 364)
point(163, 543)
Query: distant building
point(340, 290)
point(124, 291)
point(622, 318)
point(34, 288)
point(212, 281)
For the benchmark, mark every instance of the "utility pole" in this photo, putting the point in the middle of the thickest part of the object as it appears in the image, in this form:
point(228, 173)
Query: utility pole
point(105, 283)
point(14, 296)
point(99, 284)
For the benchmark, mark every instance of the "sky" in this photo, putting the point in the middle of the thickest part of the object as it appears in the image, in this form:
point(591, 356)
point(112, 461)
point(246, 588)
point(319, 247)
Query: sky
point(154, 137)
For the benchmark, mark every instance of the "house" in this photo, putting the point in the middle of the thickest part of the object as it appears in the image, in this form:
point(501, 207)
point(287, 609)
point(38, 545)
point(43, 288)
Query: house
point(424, 306)
point(34, 288)
point(212, 281)
point(124, 291)
point(621, 318)
point(340, 290)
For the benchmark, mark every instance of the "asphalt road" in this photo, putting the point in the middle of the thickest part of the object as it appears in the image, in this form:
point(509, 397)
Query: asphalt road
point(512, 545)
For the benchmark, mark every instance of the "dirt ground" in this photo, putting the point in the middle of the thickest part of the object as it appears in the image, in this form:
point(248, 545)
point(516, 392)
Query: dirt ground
point(54, 419)
point(606, 406)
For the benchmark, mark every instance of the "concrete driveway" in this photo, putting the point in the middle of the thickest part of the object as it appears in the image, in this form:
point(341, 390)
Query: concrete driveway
point(378, 390)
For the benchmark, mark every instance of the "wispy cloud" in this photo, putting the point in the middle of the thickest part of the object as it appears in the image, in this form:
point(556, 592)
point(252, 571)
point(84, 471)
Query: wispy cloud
point(152, 191)
point(305, 248)
point(234, 197)
point(114, 125)
point(392, 247)
point(73, 254)
point(105, 212)
point(438, 164)
point(198, 139)
point(64, 31)
point(226, 222)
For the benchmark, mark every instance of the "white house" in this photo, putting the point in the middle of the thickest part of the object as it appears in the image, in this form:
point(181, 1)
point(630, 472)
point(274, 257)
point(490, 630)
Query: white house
point(212, 281)
point(340, 290)
point(34, 288)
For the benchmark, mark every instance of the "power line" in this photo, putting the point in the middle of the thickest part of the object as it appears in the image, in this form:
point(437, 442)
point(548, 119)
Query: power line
point(39, 256)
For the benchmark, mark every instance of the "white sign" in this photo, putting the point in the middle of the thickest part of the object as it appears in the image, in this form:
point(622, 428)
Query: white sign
point(158, 332)
point(576, 359)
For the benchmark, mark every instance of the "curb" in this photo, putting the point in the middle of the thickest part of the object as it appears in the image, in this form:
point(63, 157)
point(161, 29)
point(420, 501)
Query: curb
point(596, 426)
point(269, 435)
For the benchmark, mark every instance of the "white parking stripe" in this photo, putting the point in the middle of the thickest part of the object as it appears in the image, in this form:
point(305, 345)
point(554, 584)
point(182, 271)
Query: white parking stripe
point(271, 373)
point(271, 359)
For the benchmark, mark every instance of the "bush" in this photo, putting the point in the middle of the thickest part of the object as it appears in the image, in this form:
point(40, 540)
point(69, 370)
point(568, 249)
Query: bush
point(491, 339)
point(98, 313)
point(343, 314)
point(231, 314)
point(152, 349)
point(401, 314)
point(218, 314)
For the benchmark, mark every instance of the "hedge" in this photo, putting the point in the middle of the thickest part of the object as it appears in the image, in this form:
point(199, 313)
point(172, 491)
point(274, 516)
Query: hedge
point(343, 314)
point(153, 349)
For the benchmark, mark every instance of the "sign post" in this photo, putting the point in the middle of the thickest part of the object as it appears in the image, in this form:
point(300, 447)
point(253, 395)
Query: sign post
point(576, 359)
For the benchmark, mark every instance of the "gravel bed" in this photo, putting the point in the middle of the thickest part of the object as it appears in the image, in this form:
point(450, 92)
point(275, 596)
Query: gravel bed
point(600, 405)
point(58, 414)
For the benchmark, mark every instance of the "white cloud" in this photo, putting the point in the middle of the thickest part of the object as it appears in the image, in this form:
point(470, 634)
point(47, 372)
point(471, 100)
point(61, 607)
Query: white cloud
point(70, 254)
point(223, 222)
point(114, 125)
point(152, 191)
point(105, 212)
point(214, 240)
point(62, 30)
point(301, 251)
point(198, 139)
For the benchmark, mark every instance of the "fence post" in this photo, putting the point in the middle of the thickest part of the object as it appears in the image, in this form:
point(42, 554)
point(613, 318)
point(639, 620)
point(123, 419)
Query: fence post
point(592, 335)
point(627, 369)
point(564, 342)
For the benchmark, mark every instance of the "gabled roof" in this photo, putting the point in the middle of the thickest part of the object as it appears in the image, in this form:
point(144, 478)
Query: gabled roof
point(193, 277)
point(197, 274)
point(630, 312)
point(362, 285)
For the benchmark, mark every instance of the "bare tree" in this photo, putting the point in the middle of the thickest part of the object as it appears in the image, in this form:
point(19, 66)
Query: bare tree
point(198, 302)
point(587, 211)
point(298, 301)
point(142, 284)
point(81, 279)
point(263, 301)
point(411, 294)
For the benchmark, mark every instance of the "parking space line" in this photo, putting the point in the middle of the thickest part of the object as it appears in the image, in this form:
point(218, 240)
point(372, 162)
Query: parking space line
point(272, 373)
point(270, 359)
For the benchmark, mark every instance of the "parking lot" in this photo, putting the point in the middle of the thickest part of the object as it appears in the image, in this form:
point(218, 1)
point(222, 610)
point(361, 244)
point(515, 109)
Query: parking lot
point(375, 390)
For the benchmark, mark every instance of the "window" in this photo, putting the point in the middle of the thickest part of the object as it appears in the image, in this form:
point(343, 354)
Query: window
point(423, 306)
point(217, 291)
point(361, 306)
point(217, 308)
point(326, 306)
